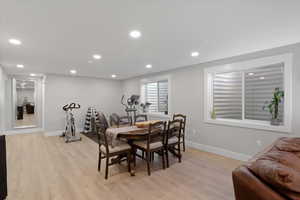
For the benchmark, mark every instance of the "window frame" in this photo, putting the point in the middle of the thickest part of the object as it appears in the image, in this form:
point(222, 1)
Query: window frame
point(246, 65)
point(157, 79)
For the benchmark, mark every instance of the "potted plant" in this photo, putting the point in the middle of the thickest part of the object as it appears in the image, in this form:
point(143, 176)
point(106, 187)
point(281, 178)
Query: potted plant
point(273, 106)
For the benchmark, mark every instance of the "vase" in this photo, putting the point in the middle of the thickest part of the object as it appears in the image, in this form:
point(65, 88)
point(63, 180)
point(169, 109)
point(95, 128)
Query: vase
point(275, 122)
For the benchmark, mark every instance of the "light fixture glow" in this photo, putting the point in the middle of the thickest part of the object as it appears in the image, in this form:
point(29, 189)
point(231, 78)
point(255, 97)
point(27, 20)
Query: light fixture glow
point(251, 74)
point(262, 78)
point(90, 61)
point(14, 41)
point(195, 54)
point(20, 66)
point(32, 74)
point(73, 71)
point(135, 34)
point(113, 76)
point(148, 66)
point(97, 56)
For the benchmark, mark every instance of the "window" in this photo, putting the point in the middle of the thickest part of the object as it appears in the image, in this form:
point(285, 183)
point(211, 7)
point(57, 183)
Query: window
point(156, 93)
point(237, 94)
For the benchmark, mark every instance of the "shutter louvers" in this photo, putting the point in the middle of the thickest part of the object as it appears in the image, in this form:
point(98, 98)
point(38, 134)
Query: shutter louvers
point(151, 96)
point(260, 84)
point(227, 95)
point(163, 97)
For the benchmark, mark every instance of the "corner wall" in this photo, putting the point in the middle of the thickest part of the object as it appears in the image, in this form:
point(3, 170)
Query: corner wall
point(187, 92)
point(102, 94)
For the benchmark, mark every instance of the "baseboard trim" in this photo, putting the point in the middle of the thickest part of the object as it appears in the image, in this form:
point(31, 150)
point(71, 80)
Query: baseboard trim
point(23, 131)
point(53, 133)
point(219, 151)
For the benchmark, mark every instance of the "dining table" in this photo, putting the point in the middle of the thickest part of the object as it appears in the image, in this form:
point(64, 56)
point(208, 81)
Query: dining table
point(128, 133)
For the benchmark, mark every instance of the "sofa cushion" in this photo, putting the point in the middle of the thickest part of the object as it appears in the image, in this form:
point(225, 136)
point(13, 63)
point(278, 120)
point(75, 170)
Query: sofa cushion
point(288, 144)
point(289, 159)
point(280, 170)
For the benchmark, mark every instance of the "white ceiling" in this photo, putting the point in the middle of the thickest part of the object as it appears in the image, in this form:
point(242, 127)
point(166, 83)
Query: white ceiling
point(59, 35)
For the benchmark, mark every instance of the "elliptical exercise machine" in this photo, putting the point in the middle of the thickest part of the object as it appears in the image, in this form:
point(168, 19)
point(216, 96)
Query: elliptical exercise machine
point(70, 134)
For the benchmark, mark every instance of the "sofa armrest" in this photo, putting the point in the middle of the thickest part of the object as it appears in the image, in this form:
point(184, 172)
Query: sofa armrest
point(248, 187)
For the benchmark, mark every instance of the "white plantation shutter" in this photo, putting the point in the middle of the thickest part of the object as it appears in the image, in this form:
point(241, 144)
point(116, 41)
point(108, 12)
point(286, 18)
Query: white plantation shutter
point(227, 95)
point(260, 84)
point(255, 87)
point(151, 96)
point(163, 97)
point(156, 93)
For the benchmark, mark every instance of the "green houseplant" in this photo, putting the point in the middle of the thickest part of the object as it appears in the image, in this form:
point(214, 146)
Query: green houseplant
point(273, 106)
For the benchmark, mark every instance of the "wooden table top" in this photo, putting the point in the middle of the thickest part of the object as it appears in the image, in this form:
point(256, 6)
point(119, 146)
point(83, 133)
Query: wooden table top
point(128, 132)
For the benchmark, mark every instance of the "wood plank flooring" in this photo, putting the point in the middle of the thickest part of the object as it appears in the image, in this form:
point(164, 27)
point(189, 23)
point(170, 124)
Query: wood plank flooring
point(46, 168)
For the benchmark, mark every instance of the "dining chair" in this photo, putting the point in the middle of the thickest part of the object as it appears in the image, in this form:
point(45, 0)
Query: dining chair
point(140, 118)
point(173, 139)
point(108, 150)
point(183, 118)
point(116, 121)
point(153, 143)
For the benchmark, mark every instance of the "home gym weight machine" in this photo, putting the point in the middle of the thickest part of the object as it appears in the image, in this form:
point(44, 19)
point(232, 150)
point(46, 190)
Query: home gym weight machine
point(70, 134)
point(130, 105)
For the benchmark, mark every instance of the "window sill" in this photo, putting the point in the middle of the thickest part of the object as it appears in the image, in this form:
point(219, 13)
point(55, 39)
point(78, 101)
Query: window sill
point(158, 115)
point(252, 124)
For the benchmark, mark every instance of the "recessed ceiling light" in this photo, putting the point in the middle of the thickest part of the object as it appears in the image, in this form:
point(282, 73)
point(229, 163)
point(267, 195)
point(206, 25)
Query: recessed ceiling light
point(251, 74)
point(14, 41)
point(20, 66)
point(113, 76)
point(262, 78)
point(97, 56)
point(135, 34)
point(73, 71)
point(32, 74)
point(195, 54)
point(148, 66)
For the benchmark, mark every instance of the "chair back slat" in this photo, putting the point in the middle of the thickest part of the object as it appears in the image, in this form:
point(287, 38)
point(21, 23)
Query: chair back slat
point(174, 129)
point(183, 118)
point(101, 131)
point(156, 132)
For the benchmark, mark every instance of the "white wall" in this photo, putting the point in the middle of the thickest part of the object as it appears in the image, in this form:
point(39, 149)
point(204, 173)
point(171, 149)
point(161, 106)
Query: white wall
point(102, 94)
point(187, 91)
point(3, 78)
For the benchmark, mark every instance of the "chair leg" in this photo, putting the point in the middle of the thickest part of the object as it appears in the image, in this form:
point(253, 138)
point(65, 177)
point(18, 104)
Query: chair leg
point(167, 156)
point(99, 161)
point(148, 162)
point(163, 159)
point(106, 168)
point(134, 157)
point(128, 162)
point(183, 143)
point(179, 152)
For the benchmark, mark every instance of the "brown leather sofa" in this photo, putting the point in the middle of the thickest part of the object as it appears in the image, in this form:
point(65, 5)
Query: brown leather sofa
point(273, 174)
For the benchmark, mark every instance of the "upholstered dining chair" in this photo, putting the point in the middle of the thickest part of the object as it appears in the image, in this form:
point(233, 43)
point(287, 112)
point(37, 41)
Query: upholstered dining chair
point(183, 118)
point(107, 149)
point(153, 143)
point(173, 139)
point(140, 118)
point(117, 121)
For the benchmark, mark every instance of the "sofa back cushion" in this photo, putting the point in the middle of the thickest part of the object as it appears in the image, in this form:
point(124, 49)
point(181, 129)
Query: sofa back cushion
point(281, 170)
point(288, 144)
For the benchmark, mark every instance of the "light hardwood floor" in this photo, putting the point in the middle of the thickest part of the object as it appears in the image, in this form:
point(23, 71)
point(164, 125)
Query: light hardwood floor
point(46, 168)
